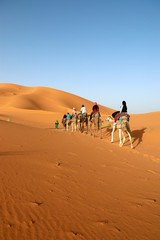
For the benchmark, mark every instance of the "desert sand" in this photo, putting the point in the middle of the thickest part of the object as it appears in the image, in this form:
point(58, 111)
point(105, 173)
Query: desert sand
point(59, 185)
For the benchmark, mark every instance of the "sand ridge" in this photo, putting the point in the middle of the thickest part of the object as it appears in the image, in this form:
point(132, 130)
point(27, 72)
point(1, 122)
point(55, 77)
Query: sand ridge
point(41, 98)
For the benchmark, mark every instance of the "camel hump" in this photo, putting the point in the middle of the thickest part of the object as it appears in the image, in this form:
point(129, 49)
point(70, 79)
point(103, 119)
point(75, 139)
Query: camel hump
point(123, 116)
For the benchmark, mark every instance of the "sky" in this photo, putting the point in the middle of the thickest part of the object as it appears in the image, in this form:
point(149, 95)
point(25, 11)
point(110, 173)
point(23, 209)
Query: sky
point(105, 51)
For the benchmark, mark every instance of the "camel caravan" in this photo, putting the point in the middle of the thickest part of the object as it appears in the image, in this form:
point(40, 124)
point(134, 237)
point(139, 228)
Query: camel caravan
point(93, 123)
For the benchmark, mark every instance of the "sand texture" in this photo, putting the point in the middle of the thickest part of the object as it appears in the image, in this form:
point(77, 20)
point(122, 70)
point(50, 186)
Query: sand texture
point(63, 185)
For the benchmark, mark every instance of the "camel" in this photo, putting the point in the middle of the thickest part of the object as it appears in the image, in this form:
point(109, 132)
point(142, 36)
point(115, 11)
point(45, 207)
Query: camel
point(64, 123)
point(74, 122)
point(96, 124)
point(68, 123)
point(83, 119)
point(122, 126)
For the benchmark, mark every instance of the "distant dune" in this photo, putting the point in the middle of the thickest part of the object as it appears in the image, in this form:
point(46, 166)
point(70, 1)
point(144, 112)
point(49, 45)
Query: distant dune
point(41, 98)
point(58, 185)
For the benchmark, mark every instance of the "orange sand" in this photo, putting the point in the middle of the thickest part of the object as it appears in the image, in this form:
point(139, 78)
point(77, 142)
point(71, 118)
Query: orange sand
point(64, 186)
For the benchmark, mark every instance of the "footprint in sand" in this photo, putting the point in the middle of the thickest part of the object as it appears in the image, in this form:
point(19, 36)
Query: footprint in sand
point(51, 190)
point(105, 165)
point(77, 234)
point(9, 225)
point(58, 163)
point(73, 154)
point(151, 200)
point(153, 172)
point(106, 222)
point(37, 203)
point(103, 222)
point(139, 204)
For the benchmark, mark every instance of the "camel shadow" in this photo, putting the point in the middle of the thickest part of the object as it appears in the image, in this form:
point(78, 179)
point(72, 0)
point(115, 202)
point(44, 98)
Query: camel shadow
point(137, 136)
point(106, 132)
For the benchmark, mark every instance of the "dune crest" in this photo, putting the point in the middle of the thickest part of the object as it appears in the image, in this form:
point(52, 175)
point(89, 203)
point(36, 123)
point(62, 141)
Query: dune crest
point(41, 98)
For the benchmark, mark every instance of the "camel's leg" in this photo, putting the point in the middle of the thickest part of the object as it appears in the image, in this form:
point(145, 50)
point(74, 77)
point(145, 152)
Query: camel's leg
point(112, 133)
point(72, 126)
point(80, 126)
point(130, 138)
point(120, 140)
point(97, 127)
point(101, 133)
point(76, 125)
point(83, 126)
point(87, 125)
point(123, 137)
point(100, 127)
point(94, 127)
point(91, 129)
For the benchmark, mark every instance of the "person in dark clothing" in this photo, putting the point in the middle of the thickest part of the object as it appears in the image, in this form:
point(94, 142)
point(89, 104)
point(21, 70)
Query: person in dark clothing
point(64, 116)
point(94, 110)
point(123, 109)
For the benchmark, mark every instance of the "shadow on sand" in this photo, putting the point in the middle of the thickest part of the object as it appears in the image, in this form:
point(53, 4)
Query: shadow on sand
point(106, 132)
point(137, 135)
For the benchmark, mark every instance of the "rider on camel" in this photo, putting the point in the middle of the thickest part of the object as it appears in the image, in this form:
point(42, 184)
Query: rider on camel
point(123, 110)
point(83, 110)
point(74, 112)
point(68, 116)
point(94, 110)
point(64, 118)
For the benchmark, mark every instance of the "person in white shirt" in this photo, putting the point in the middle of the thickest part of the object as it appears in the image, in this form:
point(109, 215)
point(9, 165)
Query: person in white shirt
point(83, 110)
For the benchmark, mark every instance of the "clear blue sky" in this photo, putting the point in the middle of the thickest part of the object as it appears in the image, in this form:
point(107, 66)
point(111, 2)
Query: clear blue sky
point(105, 51)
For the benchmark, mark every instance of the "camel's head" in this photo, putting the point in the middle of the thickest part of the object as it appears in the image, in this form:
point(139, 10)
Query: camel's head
point(109, 118)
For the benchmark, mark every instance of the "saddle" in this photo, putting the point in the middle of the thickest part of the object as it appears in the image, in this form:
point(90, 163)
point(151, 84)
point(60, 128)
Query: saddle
point(94, 114)
point(74, 115)
point(84, 115)
point(64, 119)
point(123, 117)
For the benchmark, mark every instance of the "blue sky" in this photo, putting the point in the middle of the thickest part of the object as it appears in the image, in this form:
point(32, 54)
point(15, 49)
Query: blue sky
point(102, 50)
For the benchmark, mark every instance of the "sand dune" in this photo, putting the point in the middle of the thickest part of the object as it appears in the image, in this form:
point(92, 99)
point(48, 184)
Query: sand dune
point(63, 185)
point(40, 98)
